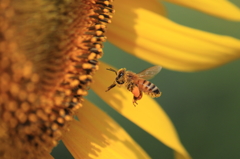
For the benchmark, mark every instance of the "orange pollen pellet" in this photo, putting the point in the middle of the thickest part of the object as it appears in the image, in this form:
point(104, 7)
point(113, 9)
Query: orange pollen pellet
point(60, 120)
point(87, 66)
point(22, 95)
point(13, 122)
point(14, 89)
point(30, 87)
point(21, 116)
point(41, 115)
point(35, 78)
point(31, 97)
point(82, 92)
point(32, 117)
point(27, 69)
point(52, 117)
point(62, 113)
point(12, 106)
point(74, 83)
point(25, 106)
point(57, 100)
point(68, 118)
point(54, 126)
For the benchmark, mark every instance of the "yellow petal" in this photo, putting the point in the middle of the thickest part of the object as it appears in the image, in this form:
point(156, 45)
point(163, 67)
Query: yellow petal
point(163, 42)
point(97, 136)
point(151, 5)
point(220, 8)
point(148, 114)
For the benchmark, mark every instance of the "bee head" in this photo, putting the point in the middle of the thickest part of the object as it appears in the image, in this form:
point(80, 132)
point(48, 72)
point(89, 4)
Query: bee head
point(120, 79)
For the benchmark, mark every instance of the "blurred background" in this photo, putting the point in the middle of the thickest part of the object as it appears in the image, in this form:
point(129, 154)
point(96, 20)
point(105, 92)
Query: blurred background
point(204, 106)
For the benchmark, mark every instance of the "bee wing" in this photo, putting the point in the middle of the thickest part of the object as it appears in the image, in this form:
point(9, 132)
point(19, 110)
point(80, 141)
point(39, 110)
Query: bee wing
point(150, 72)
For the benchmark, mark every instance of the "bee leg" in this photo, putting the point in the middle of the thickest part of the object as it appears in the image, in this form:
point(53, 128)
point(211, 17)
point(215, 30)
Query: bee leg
point(134, 101)
point(137, 98)
point(110, 87)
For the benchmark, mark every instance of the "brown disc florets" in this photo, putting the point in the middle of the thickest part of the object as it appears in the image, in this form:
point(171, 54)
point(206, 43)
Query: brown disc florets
point(49, 51)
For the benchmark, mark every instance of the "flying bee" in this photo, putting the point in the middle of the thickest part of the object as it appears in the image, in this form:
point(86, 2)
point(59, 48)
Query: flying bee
point(137, 83)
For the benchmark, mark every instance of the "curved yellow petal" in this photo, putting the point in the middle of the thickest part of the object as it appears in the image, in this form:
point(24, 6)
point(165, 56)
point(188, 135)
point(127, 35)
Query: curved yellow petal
point(151, 5)
point(98, 136)
point(220, 8)
point(148, 114)
point(163, 42)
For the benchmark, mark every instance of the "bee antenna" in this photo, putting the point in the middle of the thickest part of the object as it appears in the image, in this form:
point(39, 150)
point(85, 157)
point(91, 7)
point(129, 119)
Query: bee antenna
point(110, 69)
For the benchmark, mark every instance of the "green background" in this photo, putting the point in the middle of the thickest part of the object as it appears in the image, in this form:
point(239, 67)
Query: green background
point(204, 106)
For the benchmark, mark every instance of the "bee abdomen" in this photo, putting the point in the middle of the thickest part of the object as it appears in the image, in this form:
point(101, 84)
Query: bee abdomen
point(150, 89)
point(156, 91)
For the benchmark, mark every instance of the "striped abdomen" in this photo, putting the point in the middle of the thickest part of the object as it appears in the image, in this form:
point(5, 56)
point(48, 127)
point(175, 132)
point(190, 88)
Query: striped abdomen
point(148, 88)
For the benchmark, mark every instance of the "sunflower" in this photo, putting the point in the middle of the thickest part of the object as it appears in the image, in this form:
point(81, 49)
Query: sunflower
point(49, 55)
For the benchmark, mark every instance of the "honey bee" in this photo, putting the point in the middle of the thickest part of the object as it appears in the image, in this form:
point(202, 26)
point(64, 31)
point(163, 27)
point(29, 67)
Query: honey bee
point(137, 83)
